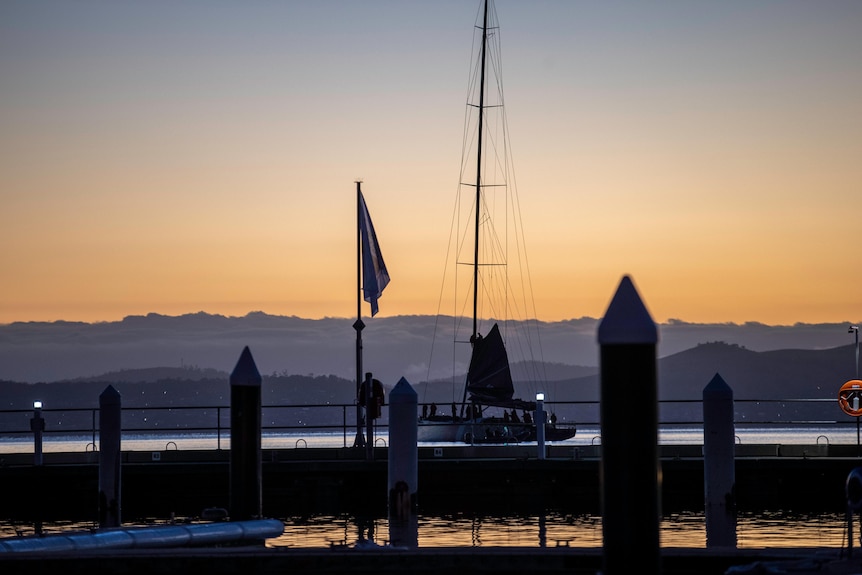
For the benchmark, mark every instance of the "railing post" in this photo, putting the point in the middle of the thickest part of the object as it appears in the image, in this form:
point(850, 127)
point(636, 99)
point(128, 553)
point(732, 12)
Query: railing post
point(218, 428)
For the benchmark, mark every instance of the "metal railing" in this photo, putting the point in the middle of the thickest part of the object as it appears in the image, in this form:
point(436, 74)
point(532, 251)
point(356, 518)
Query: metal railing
point(299, 419)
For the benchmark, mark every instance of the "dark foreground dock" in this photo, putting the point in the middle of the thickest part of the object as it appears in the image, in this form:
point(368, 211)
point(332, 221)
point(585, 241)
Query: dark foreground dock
point(490, 479)
point(494, 479)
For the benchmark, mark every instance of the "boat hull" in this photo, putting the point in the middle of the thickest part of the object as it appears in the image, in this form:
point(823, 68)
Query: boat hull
point(484, 431)
point(442, 430)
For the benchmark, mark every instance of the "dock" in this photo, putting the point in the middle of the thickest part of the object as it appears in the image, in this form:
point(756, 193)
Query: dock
point(492, 479)
point(497, 479)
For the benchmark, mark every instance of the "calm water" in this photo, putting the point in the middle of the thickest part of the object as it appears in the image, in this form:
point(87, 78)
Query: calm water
point(754, 530)
point(796, 435)
point(551, 530)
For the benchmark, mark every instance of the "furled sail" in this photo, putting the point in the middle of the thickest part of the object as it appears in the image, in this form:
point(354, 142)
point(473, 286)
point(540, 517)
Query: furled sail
point(489, 378)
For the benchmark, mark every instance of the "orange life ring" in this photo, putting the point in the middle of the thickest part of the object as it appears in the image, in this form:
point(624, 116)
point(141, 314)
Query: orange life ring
point(850, 397)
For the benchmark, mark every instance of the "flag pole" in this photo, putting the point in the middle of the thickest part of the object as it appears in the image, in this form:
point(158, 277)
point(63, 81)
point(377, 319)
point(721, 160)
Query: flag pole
point(359, 441)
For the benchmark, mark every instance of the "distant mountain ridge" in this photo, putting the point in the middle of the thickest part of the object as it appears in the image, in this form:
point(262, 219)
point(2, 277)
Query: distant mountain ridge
point(154, 374)
point(776, 374)
point(790, 374)
point(394, 347)
point(769, 377)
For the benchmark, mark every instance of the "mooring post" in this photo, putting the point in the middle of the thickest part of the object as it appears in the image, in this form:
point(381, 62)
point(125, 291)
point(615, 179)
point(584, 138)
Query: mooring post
point(853, 493)
point(631, 506)
point(718, 464)
point(37, 426)
point(245, 458)
point(110, 433)
point(403, 476)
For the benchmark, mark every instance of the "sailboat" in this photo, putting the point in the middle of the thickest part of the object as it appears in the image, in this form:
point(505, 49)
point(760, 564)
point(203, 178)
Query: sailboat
point(487, 412)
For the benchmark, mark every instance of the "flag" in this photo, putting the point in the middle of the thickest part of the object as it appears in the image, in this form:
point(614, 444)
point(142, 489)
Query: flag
point(374, 275)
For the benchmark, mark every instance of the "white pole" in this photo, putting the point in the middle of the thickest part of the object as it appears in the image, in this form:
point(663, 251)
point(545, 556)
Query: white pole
point(37, 425)
point(719, 464)
point(403, 466)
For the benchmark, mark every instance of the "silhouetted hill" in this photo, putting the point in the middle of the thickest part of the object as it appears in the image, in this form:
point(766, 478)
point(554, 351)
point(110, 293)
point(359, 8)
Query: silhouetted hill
point(204, 394)
point(554, 371)
point(393, 347)
point(767, 376)
point(174, 392)
point(154, 374)
point(791, 373)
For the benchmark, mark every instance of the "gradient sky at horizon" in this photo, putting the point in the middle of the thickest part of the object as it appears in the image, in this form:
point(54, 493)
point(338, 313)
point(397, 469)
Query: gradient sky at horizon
point(175, 157)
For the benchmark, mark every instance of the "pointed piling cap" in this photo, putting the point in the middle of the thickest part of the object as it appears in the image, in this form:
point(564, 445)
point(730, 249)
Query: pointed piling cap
point(627, 320)
point(245, 373)
point(110, 396)
point(717, 389)
point(403, 392)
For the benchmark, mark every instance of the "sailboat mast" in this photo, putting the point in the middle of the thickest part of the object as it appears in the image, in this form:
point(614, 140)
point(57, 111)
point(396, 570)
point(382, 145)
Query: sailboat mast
point(479, 173)
point(474, 337)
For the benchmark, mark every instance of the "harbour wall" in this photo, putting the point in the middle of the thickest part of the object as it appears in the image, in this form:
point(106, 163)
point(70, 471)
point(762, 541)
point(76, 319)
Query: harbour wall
point(480, 479)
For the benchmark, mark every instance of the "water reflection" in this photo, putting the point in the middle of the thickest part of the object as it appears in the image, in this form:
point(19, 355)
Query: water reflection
point(755, 530)
point(686, 530)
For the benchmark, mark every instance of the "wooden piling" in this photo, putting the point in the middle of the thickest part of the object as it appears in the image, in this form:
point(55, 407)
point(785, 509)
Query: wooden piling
point(110, 456)
point(631, 507)
point(719, 473)
point(245, 424)
point(403, 475)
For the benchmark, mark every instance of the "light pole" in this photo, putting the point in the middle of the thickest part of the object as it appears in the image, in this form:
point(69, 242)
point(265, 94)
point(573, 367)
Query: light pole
point(540, 423)
point(37, 426)
point(855, 329)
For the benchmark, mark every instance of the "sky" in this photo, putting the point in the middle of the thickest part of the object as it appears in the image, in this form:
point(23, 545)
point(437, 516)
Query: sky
point(175, 157)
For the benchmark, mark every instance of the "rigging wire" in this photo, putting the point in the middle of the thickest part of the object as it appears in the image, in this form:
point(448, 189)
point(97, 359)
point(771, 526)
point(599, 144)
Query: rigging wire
point(518, 299)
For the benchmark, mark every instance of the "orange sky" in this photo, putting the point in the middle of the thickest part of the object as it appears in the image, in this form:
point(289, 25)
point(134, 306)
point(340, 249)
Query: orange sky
point(171, 158)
